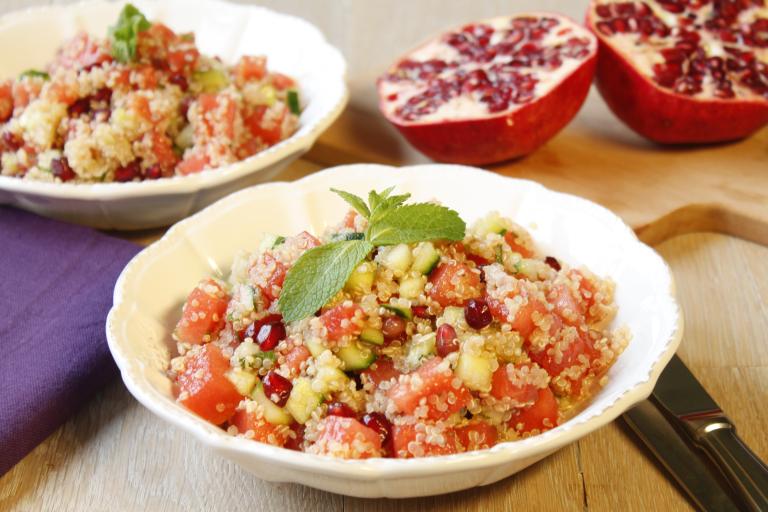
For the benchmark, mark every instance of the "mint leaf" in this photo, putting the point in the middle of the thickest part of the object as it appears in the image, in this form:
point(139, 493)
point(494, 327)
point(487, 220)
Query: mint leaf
point(354, 201)
point(318, 275)
point(125, 32)
point(413, 223)
point(375, 198)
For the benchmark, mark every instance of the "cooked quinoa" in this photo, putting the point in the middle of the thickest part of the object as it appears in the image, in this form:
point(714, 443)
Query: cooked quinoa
point(429, 349)
point(95, 116)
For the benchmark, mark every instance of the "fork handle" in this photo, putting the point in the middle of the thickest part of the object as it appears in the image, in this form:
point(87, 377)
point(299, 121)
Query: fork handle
point(744, 470)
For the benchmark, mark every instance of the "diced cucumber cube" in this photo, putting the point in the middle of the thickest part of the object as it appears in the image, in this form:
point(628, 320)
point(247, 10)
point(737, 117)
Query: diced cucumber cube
point(329, 380)
point(398, 258)
point(411, 287)
point(270, 241)
point(370, 335)
point(356, 356)
point(272, 413)
point(452, 315)
point(303, 400)
point(475, 371)
point(361, 279)
point(422, 347)
point(425, 258)
point(243, 380)
point(186, 137)
point(491, 223)
point(401, 311)
point(212, 80)
point(315, 346)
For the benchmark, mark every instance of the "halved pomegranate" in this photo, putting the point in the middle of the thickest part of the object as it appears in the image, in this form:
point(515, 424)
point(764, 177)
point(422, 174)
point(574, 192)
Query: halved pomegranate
point(492, 90)
point(684, 71)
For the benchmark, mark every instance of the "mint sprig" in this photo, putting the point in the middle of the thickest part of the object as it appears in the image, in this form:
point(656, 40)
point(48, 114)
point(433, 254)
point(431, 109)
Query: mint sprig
point(321, 272)
point(317, 275)
point(124, 34)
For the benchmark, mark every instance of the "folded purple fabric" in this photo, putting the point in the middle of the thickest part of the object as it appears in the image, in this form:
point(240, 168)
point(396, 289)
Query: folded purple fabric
point(56, 283)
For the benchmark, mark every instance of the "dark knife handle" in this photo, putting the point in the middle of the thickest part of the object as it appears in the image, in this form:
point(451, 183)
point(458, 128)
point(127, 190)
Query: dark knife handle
point(745, 471)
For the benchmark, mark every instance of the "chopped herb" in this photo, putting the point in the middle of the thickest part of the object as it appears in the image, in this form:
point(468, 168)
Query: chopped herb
point(34, 73)
point(347, 236)
point(279, 240)
point(124, 34)
point(293, 102)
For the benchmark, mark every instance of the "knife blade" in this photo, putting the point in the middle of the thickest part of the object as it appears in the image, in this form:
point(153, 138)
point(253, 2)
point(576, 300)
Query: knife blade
point(679, 459)
point(685, 400)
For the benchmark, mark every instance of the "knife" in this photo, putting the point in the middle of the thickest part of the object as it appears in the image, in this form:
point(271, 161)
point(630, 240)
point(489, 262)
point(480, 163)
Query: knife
point(679, 458)
point(682, 397)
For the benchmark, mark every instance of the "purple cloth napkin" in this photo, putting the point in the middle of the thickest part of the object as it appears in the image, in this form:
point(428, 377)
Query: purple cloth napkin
point(56, 283)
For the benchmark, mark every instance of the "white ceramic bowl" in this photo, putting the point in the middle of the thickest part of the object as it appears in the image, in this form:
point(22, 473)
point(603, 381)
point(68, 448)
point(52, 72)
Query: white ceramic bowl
point(292, 45)
point(151, 289)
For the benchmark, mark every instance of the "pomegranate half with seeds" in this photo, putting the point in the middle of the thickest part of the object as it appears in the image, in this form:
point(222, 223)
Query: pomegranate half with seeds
point(492, 90)
point(684, 71)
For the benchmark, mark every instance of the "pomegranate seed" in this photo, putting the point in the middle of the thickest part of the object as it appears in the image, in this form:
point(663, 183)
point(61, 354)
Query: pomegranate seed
point(103, 95)
point(295, 441)
point(79, 107)
point(153, 172)
point(379, 423)
point(446, 340)
point(672, 6)
point(552, 262)
point(61, 169)
point(619, 25)
point(128, 172)
point(477, 314)
point(184, 105)
point(393, 327)
point(253, 329)
point(270, 335)
point(421, 311)
point(341, 409)
point(605, 28)
point(625, 9)
point(179, 80)
point(11, 141)
point(603, 10)
point(673, 55)
point(277, 388)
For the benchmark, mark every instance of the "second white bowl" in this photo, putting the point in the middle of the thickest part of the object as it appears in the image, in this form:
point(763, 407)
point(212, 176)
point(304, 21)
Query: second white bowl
point(292, 46)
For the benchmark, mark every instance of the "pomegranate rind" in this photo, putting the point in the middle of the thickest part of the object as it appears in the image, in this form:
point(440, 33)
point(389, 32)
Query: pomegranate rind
point(663, 116)
point(507, 135)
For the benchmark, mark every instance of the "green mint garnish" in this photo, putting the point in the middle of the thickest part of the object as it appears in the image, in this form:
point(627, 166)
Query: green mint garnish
point(321, 272)
point(34, 73)
point(411, 223)
point(125, 32)
point(293, 102)
point(317, 275)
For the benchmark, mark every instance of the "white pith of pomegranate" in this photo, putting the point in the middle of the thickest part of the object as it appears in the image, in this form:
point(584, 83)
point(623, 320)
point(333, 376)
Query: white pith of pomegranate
point(492, 90)
point(684, 71)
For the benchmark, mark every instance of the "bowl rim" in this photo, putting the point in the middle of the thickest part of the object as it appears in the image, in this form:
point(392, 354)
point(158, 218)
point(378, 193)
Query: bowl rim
point(210, 178)
point(369, 470)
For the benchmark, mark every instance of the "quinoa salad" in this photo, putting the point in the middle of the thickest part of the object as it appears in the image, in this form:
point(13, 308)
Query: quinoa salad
point(141, 104)
point(400, 332)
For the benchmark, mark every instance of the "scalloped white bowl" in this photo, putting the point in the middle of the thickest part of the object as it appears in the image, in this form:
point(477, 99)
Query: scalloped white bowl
point(292, 46)
point(150, 291)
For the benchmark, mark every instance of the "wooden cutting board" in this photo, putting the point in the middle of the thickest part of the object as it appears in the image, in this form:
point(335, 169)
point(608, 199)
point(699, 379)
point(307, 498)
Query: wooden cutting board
point(659, 191)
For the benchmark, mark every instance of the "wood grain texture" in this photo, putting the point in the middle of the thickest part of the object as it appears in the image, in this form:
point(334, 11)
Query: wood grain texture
point(115, 455)
point(661, 192)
